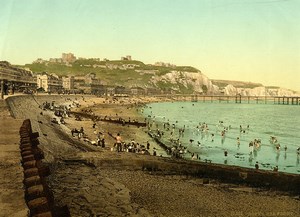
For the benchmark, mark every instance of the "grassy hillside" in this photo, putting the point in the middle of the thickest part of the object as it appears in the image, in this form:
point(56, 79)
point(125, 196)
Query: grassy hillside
point(130, 73)
point(109, 71)
point(237, 84)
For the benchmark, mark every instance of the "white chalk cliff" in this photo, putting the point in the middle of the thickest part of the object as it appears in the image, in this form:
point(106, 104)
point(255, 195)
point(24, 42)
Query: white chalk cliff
point(195, 81)
point(258, 91)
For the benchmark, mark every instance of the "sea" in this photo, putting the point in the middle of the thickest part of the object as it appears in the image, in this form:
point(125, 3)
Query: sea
point(240, 123)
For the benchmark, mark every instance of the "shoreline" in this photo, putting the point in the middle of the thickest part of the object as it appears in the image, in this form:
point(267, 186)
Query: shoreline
point(163, 149)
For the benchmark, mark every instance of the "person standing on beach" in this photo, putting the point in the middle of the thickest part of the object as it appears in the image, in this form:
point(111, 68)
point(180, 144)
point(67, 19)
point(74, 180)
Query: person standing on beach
point(256, 165)
point(154, 151)
point(119, 142)
point(81, 133)
point(225, 156)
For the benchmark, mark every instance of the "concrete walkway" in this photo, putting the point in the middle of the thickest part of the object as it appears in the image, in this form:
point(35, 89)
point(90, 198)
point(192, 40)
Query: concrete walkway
point(12, 202)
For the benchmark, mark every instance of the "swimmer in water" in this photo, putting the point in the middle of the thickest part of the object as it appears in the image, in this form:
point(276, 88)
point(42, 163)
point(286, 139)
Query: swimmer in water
point(225, 153)
point(278, 147)
point(251, 147)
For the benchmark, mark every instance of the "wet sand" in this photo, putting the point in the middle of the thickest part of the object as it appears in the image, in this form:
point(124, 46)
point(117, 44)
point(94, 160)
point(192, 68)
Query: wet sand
point(95, 181)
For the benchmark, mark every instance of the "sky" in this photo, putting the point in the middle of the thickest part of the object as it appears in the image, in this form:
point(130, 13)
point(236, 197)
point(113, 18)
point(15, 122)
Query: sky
point(246, 40)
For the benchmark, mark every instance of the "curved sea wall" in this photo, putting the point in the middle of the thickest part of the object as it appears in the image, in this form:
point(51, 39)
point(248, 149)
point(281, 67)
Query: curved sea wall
point(23, 106)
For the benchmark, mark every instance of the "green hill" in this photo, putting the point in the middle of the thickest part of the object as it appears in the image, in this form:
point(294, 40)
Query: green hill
point(237, 84)
point(114, 72)
point(128, 73)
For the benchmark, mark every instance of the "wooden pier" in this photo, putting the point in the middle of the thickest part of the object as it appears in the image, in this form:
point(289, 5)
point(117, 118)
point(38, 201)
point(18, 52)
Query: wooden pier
point(238, 99)
point(287, 100)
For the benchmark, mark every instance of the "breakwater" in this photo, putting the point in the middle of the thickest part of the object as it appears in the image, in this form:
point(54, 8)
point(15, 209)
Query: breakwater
point(108, 119)
point(268, 180)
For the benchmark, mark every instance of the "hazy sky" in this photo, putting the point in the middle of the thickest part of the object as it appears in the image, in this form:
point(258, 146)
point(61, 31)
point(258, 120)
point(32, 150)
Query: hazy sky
point(248, 40)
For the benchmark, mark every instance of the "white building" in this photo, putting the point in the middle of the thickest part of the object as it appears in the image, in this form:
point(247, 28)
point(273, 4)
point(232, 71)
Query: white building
point(68, 57)
point(49, 82)
point(68, 82)
point(128, 57)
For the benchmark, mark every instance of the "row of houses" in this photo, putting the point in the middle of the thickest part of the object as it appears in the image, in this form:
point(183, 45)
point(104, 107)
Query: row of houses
point(88, 84)
point(69, 84)
point(14, 79)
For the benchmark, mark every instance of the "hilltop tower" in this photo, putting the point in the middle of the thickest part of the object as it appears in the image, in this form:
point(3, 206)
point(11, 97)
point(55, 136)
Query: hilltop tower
point(68, 57)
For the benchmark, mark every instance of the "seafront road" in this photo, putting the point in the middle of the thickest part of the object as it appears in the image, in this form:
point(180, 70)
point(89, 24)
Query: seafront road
point(12, 201)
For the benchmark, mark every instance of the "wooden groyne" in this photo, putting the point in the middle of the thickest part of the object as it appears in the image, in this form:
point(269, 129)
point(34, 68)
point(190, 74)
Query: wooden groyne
point(108, 119)
point(159, 142)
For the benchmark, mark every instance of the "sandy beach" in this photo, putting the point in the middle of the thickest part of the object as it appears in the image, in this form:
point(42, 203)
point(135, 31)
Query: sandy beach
point(95, 181)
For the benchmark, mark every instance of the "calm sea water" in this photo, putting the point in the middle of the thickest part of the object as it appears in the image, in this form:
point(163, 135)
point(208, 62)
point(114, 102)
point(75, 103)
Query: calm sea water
point(264, 120)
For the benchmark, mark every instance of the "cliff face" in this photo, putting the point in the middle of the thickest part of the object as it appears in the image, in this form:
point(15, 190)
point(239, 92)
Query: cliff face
point(197, 82)
point(258, 91)
point(193, 82)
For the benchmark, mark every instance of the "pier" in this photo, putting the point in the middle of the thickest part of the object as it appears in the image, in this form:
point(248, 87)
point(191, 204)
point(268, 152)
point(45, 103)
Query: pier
point(238, 99)
point(287, 100)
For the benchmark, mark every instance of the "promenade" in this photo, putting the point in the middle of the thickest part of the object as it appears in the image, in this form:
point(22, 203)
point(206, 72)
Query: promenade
point(12, 201)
